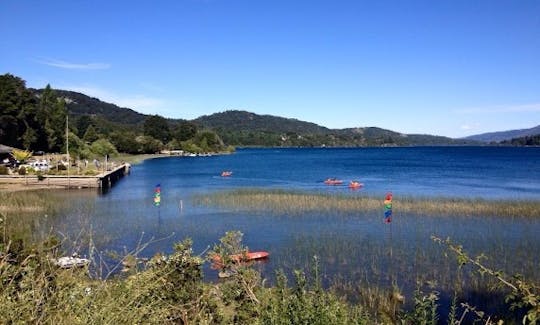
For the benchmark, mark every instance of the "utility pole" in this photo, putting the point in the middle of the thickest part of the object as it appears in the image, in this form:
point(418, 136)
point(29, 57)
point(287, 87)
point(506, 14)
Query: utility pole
point(67, 147)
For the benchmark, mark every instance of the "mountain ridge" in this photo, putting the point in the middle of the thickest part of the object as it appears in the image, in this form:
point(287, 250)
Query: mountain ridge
point(499, 136)
point(239, 125)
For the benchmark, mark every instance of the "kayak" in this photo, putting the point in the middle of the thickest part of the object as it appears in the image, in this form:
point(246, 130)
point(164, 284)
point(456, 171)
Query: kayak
point(355, 184)
point(239, 258)
point(68, 262)
point(333, 181)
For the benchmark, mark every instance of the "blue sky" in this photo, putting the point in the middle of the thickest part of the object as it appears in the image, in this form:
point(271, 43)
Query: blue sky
point(452, 68)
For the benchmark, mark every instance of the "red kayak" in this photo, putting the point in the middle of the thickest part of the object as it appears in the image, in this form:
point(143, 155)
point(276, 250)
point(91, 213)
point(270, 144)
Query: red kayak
point(239, 258)
point(355, 185)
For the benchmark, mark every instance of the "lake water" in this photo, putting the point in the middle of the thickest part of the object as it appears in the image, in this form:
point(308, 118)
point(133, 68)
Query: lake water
point(358, 248)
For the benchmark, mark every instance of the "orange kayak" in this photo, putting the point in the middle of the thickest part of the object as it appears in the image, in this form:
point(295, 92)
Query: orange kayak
point(355, 184)
point(239, 258)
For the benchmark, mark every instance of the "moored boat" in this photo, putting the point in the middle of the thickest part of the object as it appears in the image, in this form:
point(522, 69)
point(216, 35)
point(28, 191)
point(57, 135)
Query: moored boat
point(333, 181)
point(226, 173)
point(355, 185)
point(241, 258)
point(68, 262)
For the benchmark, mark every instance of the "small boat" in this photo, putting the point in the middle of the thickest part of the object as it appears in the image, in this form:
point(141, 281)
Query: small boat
point(68, 262)
point(355, 185)
point(226, 173)
point(241, 258)
point(225, 272)
point(333, 181)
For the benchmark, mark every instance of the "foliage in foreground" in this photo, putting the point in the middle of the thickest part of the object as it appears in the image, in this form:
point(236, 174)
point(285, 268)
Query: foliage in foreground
point(170, 289)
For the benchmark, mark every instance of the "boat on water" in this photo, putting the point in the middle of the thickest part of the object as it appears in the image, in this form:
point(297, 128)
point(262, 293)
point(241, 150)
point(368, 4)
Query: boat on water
point(241, 258)
point(227, 271)
point(226, 173)
point(69, 262)
point(355, 185)
point(333, 181)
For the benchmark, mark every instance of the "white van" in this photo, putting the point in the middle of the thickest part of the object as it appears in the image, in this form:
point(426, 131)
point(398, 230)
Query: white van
point(41, 165)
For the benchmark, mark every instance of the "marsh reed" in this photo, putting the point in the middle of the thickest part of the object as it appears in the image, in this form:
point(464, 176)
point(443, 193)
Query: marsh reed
point(293, 202)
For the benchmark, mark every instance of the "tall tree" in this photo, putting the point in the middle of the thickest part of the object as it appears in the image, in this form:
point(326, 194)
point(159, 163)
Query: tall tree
point(52, 110)
point(158, 128)
point(82, 124)
point(90, 135)
point(16, 104)
point(125, 141)
point(184, 131)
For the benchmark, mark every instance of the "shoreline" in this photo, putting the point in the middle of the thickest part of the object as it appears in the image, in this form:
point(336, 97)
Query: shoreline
point(18, 186)
point(13, 183)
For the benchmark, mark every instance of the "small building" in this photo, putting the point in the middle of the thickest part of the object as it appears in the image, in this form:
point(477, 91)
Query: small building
point(5, 154)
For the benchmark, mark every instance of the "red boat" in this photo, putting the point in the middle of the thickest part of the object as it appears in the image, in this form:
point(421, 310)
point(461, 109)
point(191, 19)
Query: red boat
point(355, 185)
point(226, 173)
point(333, 181)
point(240, 258)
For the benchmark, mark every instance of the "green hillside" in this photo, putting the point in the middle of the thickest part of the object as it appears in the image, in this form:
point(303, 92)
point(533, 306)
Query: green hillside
point(40, 120)
point(241, 128)
point(35, 119)
point(79, 104)
point(505, 136)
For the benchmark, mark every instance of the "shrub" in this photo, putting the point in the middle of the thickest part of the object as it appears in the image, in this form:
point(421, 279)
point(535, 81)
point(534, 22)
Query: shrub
point(22, 170)
point(3, 170)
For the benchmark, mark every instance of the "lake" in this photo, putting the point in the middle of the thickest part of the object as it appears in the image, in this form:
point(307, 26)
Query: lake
point(352, 248)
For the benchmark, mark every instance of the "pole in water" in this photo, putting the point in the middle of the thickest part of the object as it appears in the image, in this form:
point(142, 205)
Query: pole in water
point(181, 205)
point(388, 215)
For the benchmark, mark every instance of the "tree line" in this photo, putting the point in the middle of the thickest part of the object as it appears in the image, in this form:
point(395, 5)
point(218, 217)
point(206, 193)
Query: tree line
point(40, 120)
point(530, 140)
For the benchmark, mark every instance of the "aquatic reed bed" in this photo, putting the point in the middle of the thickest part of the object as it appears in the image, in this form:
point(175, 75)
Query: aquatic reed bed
point(294, 202)
point(27, 201)
point(281, 201)
point(24, 214)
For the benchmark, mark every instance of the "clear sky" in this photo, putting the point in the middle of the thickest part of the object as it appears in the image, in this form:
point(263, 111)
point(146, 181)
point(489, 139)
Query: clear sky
point(452, 68)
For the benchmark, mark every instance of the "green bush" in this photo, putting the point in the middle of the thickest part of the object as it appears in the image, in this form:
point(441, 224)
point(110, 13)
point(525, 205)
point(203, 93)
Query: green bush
point(170, 290)
point(3, 170)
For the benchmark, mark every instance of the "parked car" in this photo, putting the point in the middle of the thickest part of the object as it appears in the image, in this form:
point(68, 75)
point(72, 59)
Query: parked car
point(41, 165)
point(10, 162)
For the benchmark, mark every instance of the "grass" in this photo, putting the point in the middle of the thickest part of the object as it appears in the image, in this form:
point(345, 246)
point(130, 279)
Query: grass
point(34, 291)
point(280, 201)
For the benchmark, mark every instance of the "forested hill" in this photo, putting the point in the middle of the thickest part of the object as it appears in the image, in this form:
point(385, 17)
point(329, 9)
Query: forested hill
point(36, 119)
point(243, 128)
point(246, 121)
point(79, 104)
point(505, 135)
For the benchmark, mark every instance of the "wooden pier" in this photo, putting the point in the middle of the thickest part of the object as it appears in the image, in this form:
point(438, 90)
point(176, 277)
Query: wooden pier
point(103, 180)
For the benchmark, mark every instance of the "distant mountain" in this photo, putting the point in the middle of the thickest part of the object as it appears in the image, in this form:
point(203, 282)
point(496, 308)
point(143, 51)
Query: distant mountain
point(243, 128)
point(504, 135)
point(246, 121)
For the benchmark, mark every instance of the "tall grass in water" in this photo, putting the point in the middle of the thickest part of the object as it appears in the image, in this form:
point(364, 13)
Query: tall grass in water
point(170, 290)
point(292, 202)
point(23, 213)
